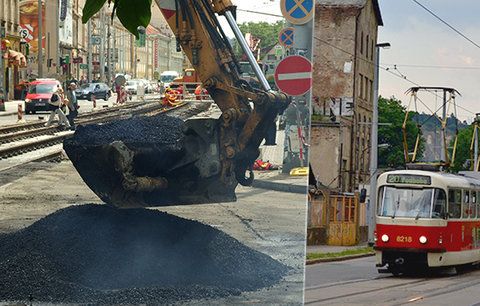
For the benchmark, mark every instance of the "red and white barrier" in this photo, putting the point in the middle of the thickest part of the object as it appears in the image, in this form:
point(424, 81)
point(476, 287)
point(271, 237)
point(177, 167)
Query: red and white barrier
point(20, 113)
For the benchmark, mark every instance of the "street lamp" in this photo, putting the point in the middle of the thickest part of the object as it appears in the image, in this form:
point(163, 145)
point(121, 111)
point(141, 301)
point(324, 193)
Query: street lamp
point(374, 148)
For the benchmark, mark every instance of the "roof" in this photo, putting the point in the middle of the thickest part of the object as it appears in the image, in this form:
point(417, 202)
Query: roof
point(354, 3)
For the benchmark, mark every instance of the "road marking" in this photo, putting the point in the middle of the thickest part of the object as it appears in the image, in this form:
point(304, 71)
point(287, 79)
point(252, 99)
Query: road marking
point(418, 298)
point(294, 76)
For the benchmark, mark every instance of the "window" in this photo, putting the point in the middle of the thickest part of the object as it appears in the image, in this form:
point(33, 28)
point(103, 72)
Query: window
point(367, 89)
point(454, 203)
point(371, 52)
point(361, 86)
point(405, 202)
point(467, 207)
point(439, 204)
point(366, 48)
point(361, 44)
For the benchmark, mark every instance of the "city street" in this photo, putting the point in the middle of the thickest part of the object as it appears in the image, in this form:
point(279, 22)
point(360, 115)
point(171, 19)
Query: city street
point(10, 114)
point(357, 282)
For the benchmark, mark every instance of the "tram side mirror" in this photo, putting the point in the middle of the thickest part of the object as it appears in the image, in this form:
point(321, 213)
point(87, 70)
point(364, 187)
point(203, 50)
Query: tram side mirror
point(363, 195)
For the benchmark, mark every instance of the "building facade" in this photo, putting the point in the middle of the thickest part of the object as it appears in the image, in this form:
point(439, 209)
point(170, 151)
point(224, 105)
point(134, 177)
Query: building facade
point(345, 39)
point(66, 42)
point(12, 56)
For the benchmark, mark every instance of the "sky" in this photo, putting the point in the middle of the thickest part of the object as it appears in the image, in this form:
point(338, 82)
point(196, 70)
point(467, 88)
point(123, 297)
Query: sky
point(418, 38)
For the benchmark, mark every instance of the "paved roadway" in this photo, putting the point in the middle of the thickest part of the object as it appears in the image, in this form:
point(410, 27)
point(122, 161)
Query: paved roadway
point(357, 282)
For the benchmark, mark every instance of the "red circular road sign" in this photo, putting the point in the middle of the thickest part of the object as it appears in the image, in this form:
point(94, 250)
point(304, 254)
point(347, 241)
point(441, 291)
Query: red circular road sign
point(293, 75)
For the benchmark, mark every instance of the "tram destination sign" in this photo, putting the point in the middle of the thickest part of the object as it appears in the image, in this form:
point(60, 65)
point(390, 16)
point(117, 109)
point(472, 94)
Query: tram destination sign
point(409, 179)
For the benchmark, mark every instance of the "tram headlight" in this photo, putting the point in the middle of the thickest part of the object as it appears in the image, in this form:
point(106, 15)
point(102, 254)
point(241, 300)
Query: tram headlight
point(422, 239)
point(385, 238)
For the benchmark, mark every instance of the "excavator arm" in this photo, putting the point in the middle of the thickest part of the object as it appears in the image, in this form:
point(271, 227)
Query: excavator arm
point(216, 154)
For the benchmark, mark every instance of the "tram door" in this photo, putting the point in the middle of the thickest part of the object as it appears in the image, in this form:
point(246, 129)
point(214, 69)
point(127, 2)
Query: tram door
point(343, 220)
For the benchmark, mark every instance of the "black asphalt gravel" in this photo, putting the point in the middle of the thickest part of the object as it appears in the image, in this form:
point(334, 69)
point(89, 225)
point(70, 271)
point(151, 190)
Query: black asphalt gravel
point(155, 129)
point(101, 255)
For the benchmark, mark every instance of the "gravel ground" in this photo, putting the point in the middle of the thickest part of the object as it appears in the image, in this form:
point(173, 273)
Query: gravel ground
point(156, 129)
point(101, 255)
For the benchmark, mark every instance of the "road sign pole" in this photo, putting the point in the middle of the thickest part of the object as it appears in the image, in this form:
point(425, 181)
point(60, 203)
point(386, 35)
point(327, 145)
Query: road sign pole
point(300, 17)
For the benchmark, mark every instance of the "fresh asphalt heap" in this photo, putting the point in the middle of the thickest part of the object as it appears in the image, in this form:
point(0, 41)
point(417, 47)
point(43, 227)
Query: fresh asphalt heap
point(102, 255)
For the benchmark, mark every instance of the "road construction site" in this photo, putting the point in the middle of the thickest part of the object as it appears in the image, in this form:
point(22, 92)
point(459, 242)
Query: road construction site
point(62, 245)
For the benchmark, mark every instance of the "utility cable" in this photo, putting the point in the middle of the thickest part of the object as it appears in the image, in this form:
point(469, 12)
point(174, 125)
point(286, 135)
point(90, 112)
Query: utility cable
point(383, 68)
point(446, 23)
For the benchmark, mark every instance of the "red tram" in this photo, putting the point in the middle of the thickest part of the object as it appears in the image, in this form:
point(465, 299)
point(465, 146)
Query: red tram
point(427, 219)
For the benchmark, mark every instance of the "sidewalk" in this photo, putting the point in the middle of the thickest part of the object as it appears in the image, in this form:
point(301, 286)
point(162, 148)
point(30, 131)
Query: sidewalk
point(11, 108)
point(275, 179)
point(333, 248)
point(331, 253)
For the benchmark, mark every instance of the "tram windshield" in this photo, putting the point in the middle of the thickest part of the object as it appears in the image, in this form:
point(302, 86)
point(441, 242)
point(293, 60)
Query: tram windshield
point(411, 203)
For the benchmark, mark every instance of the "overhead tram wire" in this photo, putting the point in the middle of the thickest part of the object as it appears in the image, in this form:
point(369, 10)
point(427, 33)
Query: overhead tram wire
point(447, 24)
point(385, 69)
point(433, 66)
point(260, 13)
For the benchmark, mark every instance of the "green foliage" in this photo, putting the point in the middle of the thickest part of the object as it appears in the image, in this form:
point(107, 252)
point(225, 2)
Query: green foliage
point(267, 32)
point(346, 253)
point(463, 149)
point(91, 8)
point(391, 111)
point(131, 13)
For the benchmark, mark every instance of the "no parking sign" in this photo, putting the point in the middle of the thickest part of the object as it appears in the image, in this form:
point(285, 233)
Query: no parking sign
point(286, 37)
point(297, 11)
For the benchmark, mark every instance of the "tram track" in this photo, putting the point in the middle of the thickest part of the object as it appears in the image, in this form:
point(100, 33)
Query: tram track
point(22, 131)
point(43, 147)
point(392, 290)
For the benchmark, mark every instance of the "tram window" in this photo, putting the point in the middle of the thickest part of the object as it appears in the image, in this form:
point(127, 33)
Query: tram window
point(467, 206)
point(439, 204)
point(454, 203)
point(380, 201)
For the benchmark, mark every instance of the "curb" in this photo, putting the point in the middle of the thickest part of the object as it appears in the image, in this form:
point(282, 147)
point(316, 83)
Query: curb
point(282, 187)
point(341, 258)
point(2, 114)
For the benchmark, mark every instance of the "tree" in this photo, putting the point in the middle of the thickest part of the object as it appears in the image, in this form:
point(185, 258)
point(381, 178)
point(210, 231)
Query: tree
point(391, 112)
point(463, 149)
point(266, 32)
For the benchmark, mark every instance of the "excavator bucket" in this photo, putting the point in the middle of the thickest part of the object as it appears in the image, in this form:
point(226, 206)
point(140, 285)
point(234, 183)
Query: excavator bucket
point(152, 161)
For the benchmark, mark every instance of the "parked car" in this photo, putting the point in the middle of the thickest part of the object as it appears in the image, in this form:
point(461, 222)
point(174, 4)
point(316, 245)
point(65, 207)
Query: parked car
point(132, 85)
point(39, 94)
point(99, 90)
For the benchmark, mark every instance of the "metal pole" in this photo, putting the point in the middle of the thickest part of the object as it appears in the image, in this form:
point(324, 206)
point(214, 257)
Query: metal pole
point(251, 58)
point(2, 69)
point(374, 154)
point(443, 156)
point(40, 40)
point(58, 51)
point(475, 128)
point(109, 54)
point(102, 45)
point(115, 52)
point(89, 59)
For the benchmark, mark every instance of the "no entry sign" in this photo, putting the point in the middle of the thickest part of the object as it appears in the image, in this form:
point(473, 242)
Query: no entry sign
point(293, 75)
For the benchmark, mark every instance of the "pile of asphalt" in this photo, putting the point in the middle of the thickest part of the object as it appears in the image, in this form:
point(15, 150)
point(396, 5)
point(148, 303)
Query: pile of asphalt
point(100, 255)
point(155, 129)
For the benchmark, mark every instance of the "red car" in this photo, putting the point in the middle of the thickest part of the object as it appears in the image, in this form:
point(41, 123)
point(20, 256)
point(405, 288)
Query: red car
point(39, 94)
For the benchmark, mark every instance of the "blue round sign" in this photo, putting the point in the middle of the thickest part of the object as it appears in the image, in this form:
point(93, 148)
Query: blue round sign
point(297, 11)
point(286, 37)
